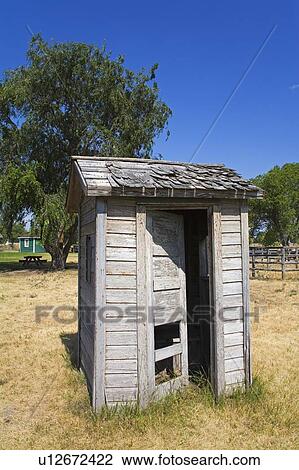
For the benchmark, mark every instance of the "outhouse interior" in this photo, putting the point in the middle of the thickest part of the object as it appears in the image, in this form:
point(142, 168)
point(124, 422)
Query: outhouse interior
point(163, 276)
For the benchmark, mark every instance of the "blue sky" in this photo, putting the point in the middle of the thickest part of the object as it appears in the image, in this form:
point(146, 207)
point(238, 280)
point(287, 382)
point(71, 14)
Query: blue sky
point(202, 48)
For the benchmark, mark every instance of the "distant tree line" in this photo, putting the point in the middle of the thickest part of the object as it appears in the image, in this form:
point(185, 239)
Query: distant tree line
point(275, 218)
point(18, 230)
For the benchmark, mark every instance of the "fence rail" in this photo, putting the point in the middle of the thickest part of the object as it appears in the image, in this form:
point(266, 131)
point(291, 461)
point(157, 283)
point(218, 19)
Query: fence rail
point(282, 259)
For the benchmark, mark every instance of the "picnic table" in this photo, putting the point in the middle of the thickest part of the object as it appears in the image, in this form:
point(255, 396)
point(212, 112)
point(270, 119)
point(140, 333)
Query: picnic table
point(32, 259)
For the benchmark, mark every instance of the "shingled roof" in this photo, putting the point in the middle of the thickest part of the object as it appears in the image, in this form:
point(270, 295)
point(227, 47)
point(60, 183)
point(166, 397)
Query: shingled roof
point(100, 176)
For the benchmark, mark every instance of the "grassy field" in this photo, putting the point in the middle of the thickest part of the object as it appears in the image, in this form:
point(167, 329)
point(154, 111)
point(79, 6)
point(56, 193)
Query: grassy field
point(44, 403)
point(9, 260)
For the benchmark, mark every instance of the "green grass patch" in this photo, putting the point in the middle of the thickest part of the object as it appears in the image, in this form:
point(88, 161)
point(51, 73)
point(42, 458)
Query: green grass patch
point(15, 256)
point(10, 260)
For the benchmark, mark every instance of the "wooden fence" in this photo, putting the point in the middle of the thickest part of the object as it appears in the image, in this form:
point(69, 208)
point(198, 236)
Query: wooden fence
point(10, 247)
point(276, 259)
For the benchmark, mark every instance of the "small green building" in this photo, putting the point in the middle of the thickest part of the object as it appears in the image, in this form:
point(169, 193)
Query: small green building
point(30, 245)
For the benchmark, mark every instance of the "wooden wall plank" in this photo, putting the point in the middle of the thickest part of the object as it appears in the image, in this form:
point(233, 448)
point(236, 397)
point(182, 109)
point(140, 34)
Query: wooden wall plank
point(119, 210)
point(231, 251)
point(123, 324)
point(142, 305)
point(88, 210)
point(232, 263)
point(87, 362)
point(170, 386)
point(168, 316)
point(121, 366)
point(231, 238)
point(231, 226)
point(89, 217)
point(234, 364)
point(121, 380)
point(121, 226)
point(234, 339)
point(86, 294)
point(232, 352)
point(121, 395)
point(233, 275)
point(117, 281)
point(100, 302)
point(87, 369)
point(164, 267)
point(218, 332)
point(167, 299)
point(87, 339)
point(236, 377)
point(121, 240)
point(230, 212)
point(149, 301)
point(79, 288)
point(121, 254)
point(121, 267)
point(246, 300)
point(169, 351)
point(166, 283)
point(233, 313)
point(234, 326)
point(121, 352)
point(231, 288)
point(118, 311)
point(119, 338)
point(119, 296)
point(232, 301)
point(88, 229)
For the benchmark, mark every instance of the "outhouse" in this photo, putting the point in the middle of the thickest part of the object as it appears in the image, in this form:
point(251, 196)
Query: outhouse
point(163, 276)
point(30, 245)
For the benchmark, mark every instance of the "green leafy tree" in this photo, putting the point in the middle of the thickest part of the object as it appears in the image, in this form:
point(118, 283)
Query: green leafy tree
point(19, 192)
point(58, 229)
point(69, 99)
point(18, 230)
point(276, 217)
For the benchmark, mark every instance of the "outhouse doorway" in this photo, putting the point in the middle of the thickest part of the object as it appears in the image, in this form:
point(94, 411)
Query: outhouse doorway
point(179, 277)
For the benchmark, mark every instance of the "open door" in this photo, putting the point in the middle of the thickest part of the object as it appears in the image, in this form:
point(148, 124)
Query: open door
point(198, 266)
point(166, 282)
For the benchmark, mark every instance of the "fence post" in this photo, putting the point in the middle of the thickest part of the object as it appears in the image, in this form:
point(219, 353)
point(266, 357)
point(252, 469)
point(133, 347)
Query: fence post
point(253, 262)
point(283, 261)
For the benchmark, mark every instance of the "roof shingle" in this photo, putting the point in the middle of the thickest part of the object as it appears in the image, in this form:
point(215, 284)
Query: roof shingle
point(145, 177)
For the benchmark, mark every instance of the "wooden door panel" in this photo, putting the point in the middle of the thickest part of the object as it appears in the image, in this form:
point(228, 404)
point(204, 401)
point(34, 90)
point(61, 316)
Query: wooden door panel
point(167, 231)
point(168, 284)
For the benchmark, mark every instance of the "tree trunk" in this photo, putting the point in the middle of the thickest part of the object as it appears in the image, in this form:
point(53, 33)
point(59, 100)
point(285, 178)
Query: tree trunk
point(57, 257)
point(59, 252)
point(70, 240)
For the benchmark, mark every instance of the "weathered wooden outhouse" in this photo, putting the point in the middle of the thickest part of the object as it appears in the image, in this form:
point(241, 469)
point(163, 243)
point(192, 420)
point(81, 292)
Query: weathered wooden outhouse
point(163, 276)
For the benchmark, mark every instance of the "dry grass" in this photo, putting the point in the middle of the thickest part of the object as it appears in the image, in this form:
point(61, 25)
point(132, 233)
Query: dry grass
point(44, 403)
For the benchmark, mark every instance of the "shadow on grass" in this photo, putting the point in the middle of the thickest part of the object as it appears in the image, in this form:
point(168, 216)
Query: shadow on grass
point(7, 267)
point(70, 342)
point(11, 267)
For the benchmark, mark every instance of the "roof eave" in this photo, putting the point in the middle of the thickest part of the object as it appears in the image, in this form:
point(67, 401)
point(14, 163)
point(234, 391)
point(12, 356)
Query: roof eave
point(76, 187)
point(171, 193)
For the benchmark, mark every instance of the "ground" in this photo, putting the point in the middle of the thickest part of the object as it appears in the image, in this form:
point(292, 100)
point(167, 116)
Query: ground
point(44, 402)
